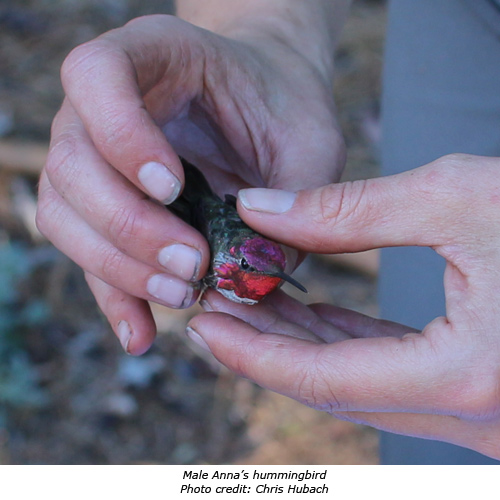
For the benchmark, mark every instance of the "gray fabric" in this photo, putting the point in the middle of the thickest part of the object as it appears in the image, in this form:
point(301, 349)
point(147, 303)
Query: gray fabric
point(488, 11)
point(442, 95)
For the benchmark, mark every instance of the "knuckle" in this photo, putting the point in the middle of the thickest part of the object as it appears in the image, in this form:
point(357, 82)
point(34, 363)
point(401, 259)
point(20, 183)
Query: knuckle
point(339, 205)
point(119, 128)
point(118, 125)
point(51, 212)
point(339, 202)
point(329, 203)
point(47, 212)
point(124, 225)
point(454, 160)
point(41, 220)
point(450, 174)
point(79, 71)
point(111, 263)
point(60, 167)
point(448, 181)
point(80, 62)
point(74, 62)
point(138, 22)
point(315, 387)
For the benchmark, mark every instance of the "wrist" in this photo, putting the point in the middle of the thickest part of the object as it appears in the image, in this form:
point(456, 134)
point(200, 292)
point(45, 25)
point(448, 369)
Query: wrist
point(307, 28)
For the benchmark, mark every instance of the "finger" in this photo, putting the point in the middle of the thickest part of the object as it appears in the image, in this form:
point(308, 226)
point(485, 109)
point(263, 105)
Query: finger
point(130, 317)
point(265, 358)
point(105, 81)
point(133, 223)
point(296, 312)
point(288, 366)
point(99, 257)
point(421, 207)
point(359, 325)
point(300, 152)
point(261, 316)
point(372, 374)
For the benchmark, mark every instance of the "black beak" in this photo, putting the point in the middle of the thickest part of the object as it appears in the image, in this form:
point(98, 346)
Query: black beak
point(289, 279)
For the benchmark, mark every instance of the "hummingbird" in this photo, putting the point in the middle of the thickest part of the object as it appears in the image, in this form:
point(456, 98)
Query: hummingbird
point(244, 266)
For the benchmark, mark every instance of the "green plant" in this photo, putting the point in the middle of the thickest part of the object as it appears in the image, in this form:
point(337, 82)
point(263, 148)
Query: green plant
point(18, 376)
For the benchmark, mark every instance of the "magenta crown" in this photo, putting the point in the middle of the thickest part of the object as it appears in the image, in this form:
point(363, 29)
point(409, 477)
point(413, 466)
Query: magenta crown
point(261, 254)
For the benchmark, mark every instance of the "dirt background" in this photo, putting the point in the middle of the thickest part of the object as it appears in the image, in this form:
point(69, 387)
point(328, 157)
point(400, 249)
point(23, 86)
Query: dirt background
point(68, 394)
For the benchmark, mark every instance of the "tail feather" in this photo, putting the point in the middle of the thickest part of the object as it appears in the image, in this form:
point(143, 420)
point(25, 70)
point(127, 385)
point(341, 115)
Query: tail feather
point(195, 187)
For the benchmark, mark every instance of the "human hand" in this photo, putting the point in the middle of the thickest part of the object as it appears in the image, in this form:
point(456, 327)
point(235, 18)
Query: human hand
point(441, 383)
point(248, 112)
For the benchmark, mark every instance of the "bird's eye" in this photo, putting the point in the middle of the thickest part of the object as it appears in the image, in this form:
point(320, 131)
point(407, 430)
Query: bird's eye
point(244, 264)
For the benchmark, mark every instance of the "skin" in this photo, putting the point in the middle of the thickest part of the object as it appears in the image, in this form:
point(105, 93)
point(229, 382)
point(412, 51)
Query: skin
point(249, 102)
point(441, 383)
point(243, 89)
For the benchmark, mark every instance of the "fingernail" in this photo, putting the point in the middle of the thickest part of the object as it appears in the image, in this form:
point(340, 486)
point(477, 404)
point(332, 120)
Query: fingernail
point(196, 338)
point(275, 201)
point(159, 182)
point(181, 260)
point(124, 335)
point(171, 291)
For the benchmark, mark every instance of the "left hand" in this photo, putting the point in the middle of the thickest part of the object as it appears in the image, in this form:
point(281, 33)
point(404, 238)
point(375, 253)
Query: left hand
point(248, 110)
point(441, 383)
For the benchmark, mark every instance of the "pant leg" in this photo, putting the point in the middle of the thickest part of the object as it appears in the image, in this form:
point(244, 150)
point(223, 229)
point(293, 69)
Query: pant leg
point(441, 95)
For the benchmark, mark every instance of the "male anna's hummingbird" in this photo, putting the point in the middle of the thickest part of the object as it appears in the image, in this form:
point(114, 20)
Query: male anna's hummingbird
point(245, 266)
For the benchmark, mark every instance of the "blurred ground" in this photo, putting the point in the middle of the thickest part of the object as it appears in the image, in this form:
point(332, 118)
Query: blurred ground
point(68, 395)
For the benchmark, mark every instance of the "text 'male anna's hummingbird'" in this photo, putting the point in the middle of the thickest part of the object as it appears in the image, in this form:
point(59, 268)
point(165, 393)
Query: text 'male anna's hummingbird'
point(245, 266)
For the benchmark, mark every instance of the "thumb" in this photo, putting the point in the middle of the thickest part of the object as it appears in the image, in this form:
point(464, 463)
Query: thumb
point(420, 207)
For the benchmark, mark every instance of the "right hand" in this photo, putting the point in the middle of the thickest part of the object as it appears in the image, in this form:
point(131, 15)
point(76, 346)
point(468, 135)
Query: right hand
point(441, 383)
point(250, 112)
